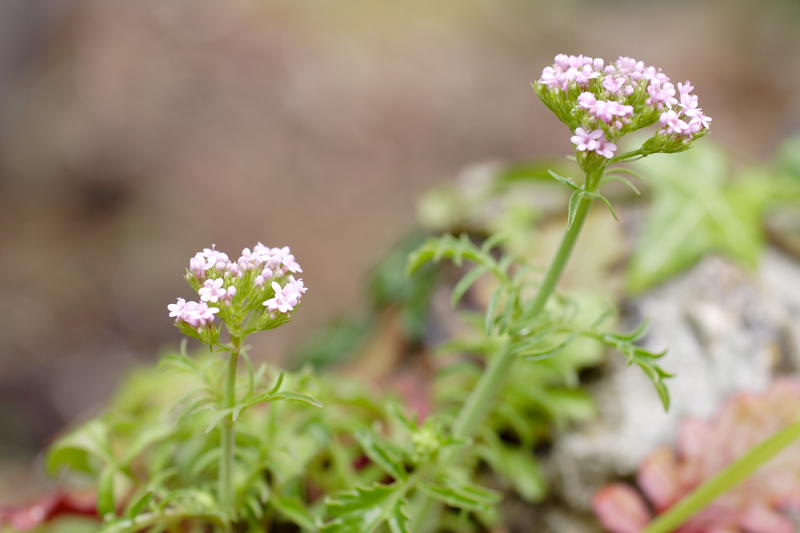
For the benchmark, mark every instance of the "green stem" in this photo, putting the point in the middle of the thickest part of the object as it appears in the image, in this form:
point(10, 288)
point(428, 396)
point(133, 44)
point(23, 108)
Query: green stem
point(481, 400)
point(622, 157)
point(228, 437)
point(737, 472)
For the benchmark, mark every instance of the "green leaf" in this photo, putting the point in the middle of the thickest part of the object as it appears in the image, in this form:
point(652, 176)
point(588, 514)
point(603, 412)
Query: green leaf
point(606, 201)
point(295, 510)
point(537, 353)
point(106, 502)
point(609, 177)
point(518, 467)
point(569, 182)
point(463, 496)
point(293, 397)
point(363, 509)
point(180, 362)
point(467, 281)
point(77, 449)
point(398, 520)
point(572, 209)
point(491, 311)
point(139, 504)
point(697, 210)
point(278, 382)
point(457, 250)
point(397, 412)
point(149, 435)
point(645, 359)
point(382, 454)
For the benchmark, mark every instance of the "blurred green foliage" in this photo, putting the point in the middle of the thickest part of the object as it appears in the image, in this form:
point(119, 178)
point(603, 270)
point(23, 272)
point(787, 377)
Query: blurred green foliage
point(702, 204)
point(365, 450)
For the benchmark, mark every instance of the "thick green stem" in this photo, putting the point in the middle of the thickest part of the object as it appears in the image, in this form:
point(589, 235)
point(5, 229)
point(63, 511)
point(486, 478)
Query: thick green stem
point(228, 438)
point(724, 481)
point(481, 400)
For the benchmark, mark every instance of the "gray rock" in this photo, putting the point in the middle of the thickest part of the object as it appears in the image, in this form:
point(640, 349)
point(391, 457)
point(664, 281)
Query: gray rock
point(727, 330)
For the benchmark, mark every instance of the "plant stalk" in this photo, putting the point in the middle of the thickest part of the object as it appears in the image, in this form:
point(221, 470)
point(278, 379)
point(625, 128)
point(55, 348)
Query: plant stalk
point(737, 472)
point(228, 437)
point(479, 403)
point(481, 400)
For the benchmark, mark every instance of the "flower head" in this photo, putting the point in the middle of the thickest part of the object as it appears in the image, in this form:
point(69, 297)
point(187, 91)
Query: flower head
point(617, 98)
point(238, 287)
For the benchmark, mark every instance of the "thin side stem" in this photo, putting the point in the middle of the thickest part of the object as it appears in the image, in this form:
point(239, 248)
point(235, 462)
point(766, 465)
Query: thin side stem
point(228, 437)
point(627, 155)
point(737, 472)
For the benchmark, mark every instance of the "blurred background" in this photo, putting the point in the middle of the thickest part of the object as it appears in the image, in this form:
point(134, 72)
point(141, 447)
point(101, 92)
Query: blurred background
point(134, 133)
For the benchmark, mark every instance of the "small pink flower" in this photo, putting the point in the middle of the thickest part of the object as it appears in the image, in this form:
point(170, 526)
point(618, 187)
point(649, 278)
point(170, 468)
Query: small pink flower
point(607, 149)
point(661, 94)
point(212, 290)
point(613, 85)
point(197, 265)
point(586, 141)
point(215, 258)
point(229, 294)
point(294, 290)
point(177, 308)
point(282, 301)
point(284, 258)
point(689, 104)
point(673, 123)
point(701, 120)
point(685, 87)
point(198, 315)
point(562, 61)
point(298, 284)
point(550, 77)
point(585, 75)
point(587, 100)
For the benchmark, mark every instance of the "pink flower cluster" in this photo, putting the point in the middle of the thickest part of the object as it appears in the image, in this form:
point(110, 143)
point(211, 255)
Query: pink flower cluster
point(273, 262)
point(764, 503)
point(222, 279)
point(607, 98)
point(684, 118)
point(286, 297)
point(196, 314)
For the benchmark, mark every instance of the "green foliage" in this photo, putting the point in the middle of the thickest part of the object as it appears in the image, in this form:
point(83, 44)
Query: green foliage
point(697, 209)
point(510, 324)
point(155, 462)
point(363, 463)
point(367, 508)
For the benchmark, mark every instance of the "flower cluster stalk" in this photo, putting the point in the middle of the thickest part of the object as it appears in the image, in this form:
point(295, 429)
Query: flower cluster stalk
point(228, 430)
point(480, 402)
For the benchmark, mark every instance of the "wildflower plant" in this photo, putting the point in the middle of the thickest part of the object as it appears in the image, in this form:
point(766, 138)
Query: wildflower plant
point(235, 298)
point(363, 464)
point(601, 104)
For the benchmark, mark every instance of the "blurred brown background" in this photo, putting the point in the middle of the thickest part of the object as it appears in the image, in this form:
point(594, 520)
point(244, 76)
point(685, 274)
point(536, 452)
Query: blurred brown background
point(133, 133)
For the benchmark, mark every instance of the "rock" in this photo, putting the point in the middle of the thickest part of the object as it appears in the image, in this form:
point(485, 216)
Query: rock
point(727, 330)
